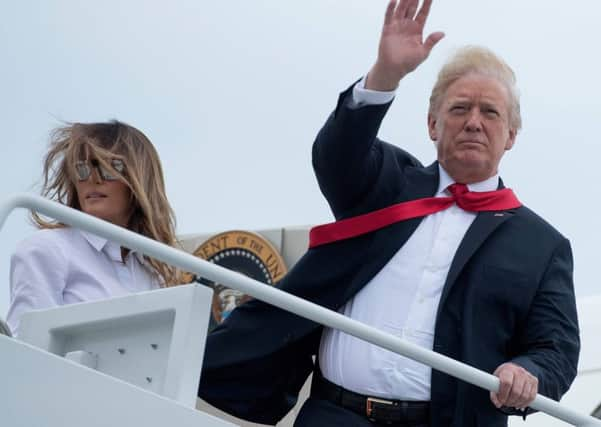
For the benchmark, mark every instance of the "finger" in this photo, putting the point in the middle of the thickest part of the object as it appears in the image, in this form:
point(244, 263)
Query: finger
point(526, 397)
point(534, 389)
point(523, 400)
point(432, 40)
point(505, 383)
point(530, 393)
point(423, 13)
point(401, 9)
point(411, 9)
point(389, 12)
point(516, 395)
point(495, 400)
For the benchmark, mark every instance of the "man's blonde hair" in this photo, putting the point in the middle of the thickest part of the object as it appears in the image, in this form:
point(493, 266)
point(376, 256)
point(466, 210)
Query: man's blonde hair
point(481, 61)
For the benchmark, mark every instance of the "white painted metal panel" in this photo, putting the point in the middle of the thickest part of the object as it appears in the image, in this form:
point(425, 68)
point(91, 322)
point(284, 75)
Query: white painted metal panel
point(152, 339)
point(41, 389)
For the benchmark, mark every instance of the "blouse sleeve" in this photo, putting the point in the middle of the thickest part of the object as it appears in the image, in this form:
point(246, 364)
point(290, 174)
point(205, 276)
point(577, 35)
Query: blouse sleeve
point(38, 274)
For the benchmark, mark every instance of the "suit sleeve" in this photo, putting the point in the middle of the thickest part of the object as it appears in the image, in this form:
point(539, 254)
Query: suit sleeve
point(256, 362)
point(347, 154)
point(259, 389)
point(551, 335)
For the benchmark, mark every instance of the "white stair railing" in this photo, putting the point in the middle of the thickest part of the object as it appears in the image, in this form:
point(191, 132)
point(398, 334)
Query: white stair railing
point(278, 298)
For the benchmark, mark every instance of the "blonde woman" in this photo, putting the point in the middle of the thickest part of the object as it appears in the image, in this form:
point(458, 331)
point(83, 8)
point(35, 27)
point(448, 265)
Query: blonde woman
point(111, 171)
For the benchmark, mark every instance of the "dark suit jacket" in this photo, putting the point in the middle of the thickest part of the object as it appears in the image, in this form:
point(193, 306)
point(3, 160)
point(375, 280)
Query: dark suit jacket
point(508, 295)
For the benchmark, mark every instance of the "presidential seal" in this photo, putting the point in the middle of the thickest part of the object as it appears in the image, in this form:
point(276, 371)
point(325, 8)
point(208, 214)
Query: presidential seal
point(244, 252)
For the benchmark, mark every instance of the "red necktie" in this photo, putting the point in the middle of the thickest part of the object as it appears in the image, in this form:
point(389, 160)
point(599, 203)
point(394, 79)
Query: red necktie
point(362, 224)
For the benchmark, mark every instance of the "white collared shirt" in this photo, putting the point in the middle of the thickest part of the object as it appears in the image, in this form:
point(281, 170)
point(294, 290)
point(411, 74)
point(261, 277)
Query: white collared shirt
point(402, 299)
point(64, 266)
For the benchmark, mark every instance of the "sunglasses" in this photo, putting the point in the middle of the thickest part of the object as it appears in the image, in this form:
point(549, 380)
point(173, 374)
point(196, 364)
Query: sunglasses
point(84, 169)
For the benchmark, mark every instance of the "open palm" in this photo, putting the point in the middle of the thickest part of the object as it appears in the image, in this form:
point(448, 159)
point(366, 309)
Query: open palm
point(402, 45)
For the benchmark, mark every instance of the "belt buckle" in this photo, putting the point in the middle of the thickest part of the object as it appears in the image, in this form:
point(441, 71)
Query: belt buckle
point(369, 405)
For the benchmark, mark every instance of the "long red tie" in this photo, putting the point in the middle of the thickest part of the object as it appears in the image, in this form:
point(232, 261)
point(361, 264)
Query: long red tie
point(362, 224)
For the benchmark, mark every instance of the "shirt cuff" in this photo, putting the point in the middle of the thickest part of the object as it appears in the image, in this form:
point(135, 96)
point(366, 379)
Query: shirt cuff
point(362, 96)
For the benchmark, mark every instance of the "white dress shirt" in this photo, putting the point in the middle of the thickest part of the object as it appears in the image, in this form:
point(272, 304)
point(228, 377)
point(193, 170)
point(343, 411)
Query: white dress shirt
point(402, 299)
point(65, 265)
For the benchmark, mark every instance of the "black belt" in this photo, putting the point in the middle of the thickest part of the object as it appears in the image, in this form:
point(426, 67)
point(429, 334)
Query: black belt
point(376, 409)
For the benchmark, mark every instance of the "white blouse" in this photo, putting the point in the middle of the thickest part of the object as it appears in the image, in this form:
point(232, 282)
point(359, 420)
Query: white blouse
point(63, 266)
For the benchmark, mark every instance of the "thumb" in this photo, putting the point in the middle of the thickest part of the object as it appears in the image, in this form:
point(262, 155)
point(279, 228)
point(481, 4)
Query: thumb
point(432, 40)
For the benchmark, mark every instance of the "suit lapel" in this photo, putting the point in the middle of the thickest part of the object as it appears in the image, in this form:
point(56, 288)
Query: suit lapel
point(420, 182)
point(482, 227)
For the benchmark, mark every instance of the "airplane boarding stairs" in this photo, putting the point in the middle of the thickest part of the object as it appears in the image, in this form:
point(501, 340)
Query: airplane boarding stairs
point(41, 388)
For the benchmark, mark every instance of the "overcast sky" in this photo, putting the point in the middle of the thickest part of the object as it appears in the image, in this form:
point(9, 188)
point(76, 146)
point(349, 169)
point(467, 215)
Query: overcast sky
point(232, 94)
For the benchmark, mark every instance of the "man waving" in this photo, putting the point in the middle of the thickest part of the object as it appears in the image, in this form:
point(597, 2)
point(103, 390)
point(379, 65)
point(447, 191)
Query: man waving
point(443, 256)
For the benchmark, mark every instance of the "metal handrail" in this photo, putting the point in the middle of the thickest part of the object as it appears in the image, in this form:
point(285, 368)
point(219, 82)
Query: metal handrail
point(281, 299)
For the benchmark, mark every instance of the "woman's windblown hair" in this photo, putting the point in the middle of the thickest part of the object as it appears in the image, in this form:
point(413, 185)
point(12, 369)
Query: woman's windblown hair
point(151, 214)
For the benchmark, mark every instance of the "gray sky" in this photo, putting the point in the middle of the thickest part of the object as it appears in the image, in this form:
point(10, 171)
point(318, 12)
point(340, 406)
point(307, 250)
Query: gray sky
point(232, 94)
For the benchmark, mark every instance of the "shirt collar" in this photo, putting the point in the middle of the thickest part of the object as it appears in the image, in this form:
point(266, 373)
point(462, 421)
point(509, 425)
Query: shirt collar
point(95, 241)
point(489, 184)
point(112, 249)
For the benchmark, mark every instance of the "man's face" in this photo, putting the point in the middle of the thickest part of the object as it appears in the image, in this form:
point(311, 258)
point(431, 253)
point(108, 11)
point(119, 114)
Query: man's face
point(471, 128)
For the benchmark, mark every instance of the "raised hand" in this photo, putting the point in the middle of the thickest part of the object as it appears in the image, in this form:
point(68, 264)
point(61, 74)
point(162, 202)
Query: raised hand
point(402, 48)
